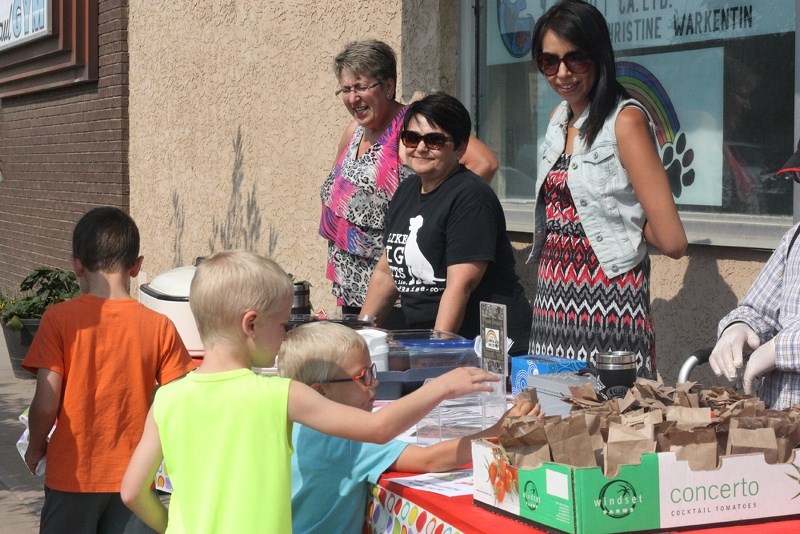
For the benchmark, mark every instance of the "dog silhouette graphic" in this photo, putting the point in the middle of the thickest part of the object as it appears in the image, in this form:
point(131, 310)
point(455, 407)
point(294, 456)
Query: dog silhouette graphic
point(419, 267)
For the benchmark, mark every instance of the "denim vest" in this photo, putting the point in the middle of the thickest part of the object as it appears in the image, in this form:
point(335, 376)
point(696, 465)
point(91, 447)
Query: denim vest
point(609, 211)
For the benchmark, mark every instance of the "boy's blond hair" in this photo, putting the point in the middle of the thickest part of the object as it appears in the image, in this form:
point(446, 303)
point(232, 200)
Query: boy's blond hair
point(313, 352)
point(230, 283)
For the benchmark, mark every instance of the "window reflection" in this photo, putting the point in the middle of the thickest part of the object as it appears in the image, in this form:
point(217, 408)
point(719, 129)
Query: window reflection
point(735, 99)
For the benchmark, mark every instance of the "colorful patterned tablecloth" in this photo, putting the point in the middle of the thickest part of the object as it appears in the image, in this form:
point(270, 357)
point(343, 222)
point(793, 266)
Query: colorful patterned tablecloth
point(389, 513)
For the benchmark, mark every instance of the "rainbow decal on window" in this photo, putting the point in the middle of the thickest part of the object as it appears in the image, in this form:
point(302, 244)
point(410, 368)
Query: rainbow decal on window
point(645, 87)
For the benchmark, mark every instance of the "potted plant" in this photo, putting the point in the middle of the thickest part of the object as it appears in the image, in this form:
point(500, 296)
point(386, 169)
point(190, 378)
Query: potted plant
point(20, 315)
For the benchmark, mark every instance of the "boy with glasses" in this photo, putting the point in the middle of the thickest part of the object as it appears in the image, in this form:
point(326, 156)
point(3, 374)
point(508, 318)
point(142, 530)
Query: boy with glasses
point(330, 475)
point(224, 431)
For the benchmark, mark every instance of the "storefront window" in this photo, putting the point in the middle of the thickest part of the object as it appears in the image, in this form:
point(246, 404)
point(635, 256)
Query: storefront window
point(717, 76)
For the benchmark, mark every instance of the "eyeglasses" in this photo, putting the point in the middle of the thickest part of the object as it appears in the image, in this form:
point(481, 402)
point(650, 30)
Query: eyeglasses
point(434, 141)
point(366, 376)
point(577, 61)
point(357, 89)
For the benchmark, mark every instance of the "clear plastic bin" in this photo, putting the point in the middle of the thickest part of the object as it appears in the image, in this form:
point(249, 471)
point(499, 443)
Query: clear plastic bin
point(456, 418)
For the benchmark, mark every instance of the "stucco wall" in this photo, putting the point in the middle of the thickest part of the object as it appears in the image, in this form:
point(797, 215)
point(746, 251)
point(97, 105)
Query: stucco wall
point(233, 122)
point(691, 295)
point(234, 125)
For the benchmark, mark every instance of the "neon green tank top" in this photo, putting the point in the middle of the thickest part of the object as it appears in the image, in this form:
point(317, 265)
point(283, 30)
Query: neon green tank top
point(227, 448)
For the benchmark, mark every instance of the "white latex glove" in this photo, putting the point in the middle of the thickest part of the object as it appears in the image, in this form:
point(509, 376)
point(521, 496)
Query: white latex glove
point(727, 354)
point(761, 362)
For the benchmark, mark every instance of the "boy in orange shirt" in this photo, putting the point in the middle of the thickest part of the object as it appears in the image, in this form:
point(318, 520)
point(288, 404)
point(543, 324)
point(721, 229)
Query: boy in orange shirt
point(97, 359)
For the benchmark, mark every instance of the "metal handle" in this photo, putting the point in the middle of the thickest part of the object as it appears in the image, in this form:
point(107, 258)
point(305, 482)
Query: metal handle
point(698, 357)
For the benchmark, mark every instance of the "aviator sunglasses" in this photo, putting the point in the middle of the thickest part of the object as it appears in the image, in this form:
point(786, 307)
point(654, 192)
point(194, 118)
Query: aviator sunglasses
point(577, 61)
point(366, 376)
point(434, 141)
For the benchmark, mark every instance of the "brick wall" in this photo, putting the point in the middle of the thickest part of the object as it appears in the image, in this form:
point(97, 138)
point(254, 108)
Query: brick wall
point(63, 152)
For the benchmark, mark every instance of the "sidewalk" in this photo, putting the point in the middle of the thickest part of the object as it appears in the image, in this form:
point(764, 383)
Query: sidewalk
point(21, 494)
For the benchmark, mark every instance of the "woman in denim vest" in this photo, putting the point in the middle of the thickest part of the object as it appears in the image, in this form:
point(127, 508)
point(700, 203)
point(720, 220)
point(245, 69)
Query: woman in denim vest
point(601, 195)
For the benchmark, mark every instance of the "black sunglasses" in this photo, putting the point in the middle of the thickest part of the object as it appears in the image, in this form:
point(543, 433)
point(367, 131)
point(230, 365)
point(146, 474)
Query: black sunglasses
point(434, 141)
point(366, 376)
point(577, 61)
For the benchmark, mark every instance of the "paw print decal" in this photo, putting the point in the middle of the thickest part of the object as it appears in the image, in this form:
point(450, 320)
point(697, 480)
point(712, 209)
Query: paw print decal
point(677, 160)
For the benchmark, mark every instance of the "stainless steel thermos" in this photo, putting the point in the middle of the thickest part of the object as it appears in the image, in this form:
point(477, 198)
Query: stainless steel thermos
point(615, 372)
point(301, 299)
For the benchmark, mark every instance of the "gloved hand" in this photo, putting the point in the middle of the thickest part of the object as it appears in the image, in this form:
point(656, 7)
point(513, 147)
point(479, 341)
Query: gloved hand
point(761, 362)
point(727, 354)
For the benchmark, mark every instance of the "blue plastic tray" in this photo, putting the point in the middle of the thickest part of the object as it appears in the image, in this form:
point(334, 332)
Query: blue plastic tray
point(436, 344)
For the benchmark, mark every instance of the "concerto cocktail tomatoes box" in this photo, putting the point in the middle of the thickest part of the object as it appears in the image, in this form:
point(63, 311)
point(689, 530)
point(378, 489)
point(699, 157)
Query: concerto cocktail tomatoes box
point(660, 493)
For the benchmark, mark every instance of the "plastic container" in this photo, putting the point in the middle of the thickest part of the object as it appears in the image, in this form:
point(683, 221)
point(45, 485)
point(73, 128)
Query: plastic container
point(456, 418)
point(413, 349)
point(416, 355)
point(378, 347)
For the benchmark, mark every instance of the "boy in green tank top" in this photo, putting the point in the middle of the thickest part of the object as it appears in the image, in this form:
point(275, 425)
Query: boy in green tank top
point(225, 432)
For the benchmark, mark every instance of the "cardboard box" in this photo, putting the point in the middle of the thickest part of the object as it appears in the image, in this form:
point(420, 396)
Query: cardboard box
point(522, 367)
point(659, 493)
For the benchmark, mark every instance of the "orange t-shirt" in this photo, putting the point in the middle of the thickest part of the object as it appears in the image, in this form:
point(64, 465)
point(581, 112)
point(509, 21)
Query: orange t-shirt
point(110, 354)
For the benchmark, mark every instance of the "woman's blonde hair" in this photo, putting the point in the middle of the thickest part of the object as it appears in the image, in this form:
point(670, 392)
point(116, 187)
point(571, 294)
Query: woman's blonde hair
point(230, 283)
point(369, 57)
point(314, 352)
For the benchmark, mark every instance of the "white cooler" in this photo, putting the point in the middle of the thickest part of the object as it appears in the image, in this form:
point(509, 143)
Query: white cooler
point(168, 293)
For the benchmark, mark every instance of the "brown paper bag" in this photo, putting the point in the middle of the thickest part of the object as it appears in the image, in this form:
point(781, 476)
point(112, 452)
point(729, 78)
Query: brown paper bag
point(748, 441)
point(595, 423)
point(570, 443)
point(688, 418)
point(626, 445)
point(517, 427)
point(525, 442)
point(686, 399)
point(661, 431)
point(626, 403)
point(529, 394)
point(530, 456)
point(698, 447)
point(787, 432)
point(641, 417)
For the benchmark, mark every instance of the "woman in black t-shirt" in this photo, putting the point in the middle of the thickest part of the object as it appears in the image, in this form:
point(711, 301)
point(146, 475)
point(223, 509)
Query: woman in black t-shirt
point(445, 237)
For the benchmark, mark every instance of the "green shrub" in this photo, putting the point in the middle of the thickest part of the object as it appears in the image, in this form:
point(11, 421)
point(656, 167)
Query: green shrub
point(42, 288)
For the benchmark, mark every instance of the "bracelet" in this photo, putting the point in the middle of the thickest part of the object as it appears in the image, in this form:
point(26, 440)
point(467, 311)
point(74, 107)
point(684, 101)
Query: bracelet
point(371, 319)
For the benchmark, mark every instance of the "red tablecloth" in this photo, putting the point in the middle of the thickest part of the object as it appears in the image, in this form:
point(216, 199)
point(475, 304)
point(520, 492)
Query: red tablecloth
point(462, 514)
